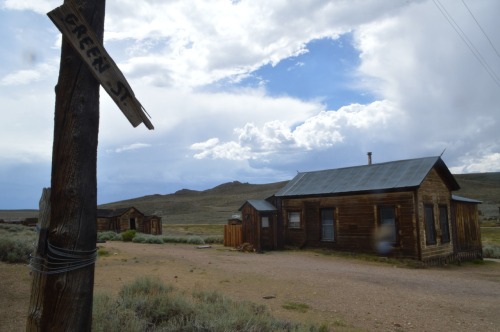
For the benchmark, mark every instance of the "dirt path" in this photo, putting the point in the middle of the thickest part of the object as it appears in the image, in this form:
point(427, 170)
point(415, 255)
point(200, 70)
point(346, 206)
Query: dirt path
point(344, 293)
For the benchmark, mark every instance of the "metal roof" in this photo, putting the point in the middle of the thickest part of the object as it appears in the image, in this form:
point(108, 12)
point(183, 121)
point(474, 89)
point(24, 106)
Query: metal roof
point(383, 176)
point(260, 205)
point(109, 213)
point(465, 199)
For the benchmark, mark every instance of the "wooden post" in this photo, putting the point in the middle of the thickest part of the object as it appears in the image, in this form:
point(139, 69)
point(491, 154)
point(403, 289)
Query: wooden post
point(38, 282)
point(67, 296)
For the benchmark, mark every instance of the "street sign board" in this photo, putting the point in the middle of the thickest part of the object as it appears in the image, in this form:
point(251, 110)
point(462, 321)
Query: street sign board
point(78, 33)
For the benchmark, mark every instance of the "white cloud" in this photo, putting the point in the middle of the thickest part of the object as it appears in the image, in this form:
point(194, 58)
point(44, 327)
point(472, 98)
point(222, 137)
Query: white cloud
point(481, 164)
point(39, 6)
point(326, 129)
point(134, 146)
point(28, 76)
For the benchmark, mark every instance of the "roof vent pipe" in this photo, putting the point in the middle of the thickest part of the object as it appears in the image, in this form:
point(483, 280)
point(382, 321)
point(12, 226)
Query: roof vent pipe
point(369, 158)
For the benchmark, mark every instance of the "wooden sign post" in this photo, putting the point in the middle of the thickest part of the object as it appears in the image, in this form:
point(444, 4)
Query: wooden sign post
point(63, 300)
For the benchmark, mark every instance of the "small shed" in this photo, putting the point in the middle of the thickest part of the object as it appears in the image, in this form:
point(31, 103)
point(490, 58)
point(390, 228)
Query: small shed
point(119, 220)
point(466, 231)
point(259, 224)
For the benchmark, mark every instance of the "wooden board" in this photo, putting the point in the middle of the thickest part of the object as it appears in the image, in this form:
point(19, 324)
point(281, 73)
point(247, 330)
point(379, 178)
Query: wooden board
point(78, 33)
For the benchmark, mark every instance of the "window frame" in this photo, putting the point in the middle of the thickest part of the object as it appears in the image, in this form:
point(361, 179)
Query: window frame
point(395, 229)
point(430, 225)
point(262, 221)
point(444, 225)
point(334, 233)
point(290, 223)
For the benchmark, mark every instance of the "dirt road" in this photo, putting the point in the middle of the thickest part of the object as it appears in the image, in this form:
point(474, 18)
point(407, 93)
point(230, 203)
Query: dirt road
point(346, 294)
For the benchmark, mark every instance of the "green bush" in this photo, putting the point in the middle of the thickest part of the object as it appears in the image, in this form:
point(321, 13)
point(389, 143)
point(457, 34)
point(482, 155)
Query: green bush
point(128, 235)
point(174, 239)
point(491, 251)
point(139, 238)
point(147, 238)
point(149, 305)
point(15, 250)
point(213, 239)
point(108, 236)
point(195, 239)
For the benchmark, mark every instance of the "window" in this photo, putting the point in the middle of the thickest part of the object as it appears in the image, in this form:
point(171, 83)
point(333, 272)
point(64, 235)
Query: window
point(387, 231)
point(265, 222)
point(443, 224)
point(327, 225)
point(293, 219)
point(430, 229)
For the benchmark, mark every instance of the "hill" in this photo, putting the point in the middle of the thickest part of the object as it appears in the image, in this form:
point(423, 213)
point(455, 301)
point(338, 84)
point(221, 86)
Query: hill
point(216, 205)
point(212, 206)
point(484, 187)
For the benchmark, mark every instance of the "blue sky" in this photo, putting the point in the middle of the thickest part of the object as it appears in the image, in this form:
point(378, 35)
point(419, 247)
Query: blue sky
point(254, 91)
point(325, 72)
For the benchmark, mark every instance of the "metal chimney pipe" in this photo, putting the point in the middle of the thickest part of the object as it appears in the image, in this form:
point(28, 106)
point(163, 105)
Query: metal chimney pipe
point(369, 158)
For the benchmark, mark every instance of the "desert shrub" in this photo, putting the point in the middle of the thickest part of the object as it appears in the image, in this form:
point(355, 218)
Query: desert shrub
point(491, 251)
point(174, 239)
point(149, 305)
point(154, 301)
point(128, 235)
point(109, 316)
point(15, 250)
point(103, 252)
point(12, 228)
point(195, 239)
point(108, 236)
point(213, 239)
point(296, 306)
point(147, 238)
point(139, 238)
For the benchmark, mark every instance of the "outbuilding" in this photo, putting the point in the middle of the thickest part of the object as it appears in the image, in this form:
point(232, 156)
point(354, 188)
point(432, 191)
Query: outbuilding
point(119, 220)
point(259, 224)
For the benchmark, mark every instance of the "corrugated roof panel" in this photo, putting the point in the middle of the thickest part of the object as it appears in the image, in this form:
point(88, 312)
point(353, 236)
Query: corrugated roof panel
point(465, 199)
point(383, 176)
point(261, 205)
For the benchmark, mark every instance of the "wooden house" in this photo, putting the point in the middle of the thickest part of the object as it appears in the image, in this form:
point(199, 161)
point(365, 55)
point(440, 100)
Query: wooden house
point(259, 224)
point(119, 220)
point(402, 208)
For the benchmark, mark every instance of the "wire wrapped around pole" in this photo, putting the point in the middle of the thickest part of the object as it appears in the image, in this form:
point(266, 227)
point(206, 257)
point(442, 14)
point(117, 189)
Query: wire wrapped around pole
point(61, 260)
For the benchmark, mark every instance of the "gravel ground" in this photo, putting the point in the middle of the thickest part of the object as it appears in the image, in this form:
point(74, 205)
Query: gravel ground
point(344, 293)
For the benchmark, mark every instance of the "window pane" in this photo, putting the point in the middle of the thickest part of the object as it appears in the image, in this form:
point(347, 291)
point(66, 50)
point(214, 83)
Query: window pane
point(430, 230)
point(294, 219)
point(265, 222)
point(327, 225)
point(388, 224)
point(443, 223)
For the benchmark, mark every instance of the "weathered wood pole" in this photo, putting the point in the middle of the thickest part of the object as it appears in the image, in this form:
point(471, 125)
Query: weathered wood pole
point(39, 279)
point(67, 296)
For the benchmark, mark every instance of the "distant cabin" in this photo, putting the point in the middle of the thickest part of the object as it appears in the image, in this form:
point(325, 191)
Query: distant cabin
point(402, 208)
point(119, 220)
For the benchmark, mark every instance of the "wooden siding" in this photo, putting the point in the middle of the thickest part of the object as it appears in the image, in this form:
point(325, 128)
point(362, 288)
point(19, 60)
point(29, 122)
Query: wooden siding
point(262, 238)
point(355, 221)
point(129, 218)
point(433, 191)
point(467, 233)
point(232, 235)
point(105, 224)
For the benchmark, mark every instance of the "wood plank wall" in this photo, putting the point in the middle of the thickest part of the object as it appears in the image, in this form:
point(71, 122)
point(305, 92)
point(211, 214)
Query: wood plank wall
point(433, 191)
point(356, 218)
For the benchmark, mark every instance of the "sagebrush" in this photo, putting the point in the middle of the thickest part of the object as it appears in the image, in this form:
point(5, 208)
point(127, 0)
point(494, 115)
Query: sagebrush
point(147, 304)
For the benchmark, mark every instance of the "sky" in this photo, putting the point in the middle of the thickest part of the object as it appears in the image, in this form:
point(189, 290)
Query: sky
point(256, 91)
